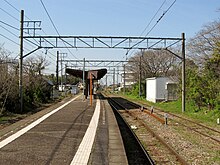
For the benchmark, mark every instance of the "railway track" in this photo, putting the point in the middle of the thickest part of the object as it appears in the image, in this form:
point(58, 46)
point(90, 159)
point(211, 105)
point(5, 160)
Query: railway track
point(175, 119)
point(136, 154)
point(160, 151)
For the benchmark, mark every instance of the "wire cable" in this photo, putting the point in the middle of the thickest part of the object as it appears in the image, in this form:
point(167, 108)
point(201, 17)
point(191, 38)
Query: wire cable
point(153, 17)
point(15, 8)
point(8, 14)
point(146, 27)
point(18, 28)
point(55, 27)
point(49, 17)
point(9, 25)
point(160, 18)
point(9, 39)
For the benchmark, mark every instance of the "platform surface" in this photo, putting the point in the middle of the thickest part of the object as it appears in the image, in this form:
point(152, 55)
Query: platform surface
point(71, 132)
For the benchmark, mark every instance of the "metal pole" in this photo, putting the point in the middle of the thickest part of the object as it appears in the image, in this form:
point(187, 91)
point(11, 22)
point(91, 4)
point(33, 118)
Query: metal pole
point(61, 65)
point(183, 74)
point(21, 61)
point(114, 80)
point(57, 71)
point(124, 81)
point(84, 77)
point(65, 78)
point(90, 88)
point(117, 75)
point(140, 74)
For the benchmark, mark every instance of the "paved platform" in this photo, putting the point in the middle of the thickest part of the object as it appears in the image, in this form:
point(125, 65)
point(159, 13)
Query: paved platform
point(71, 132)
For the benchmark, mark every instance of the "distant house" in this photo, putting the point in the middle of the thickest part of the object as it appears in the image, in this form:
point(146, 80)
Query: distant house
point(160, 89)
point(128, 78)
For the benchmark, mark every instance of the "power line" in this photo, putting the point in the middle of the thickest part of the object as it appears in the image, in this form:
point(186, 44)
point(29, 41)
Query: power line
point(17, 43)
point(11, 5)
point(153, 17)
point(157, 20)
point(49, 17)
point(9, 31)
point(161, 17)
point(9, 39)
point(17, 28)
point(55, 27)
point(8, 14)
point(15, 8)
point(9, 25)
point(19, 12)
point(147, 26)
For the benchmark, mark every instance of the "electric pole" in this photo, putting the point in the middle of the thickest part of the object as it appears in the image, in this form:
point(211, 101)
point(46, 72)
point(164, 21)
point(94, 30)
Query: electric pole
point(21, 61)
point(140, 75)
point(57, 71)
point(84, 63)
point(183, 74)
point(114, 80)
point(124, 81)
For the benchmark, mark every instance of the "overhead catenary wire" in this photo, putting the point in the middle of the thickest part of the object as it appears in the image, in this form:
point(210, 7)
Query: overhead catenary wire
point(126, 55)
point(15, 8)
point(13, 18)
point(160, 18)
point(9, 39)
point(55, 26)
point(15, 36)
point(153, 17)
point(9, 14)
point(9, 25)
point(17, 28)
point(50, 17)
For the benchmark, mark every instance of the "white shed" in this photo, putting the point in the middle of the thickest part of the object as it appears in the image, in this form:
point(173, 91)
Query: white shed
point(160, 89)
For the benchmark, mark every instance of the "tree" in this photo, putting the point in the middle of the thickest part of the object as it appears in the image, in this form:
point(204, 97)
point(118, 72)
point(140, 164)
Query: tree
point(204, 48)
point(34, 66)
point(154, 63)
point(201, 47)
point(35, 85)
point(9, 100)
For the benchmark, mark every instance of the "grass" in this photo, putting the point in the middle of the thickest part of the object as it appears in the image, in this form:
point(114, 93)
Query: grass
point(203, 116)
point(10, 117)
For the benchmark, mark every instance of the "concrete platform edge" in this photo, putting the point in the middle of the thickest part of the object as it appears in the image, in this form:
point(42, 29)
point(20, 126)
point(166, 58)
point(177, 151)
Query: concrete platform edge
point(117, 154)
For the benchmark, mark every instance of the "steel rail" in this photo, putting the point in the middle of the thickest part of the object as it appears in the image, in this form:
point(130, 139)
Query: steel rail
point(147, 110)
point(112, 103)
point(171, 149)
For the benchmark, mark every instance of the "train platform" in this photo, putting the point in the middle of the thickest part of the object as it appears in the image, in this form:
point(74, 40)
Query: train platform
point(70, 132)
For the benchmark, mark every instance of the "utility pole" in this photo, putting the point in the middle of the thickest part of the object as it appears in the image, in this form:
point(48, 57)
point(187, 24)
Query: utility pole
point(21, 61)
point(84, 78)
point(65, 78)
point(91, 87)
point(57, 71)
point(114, 80)
point(124, 81)
point(183, 74)
point(61, 72)
point(140, 74)
point(117, 74)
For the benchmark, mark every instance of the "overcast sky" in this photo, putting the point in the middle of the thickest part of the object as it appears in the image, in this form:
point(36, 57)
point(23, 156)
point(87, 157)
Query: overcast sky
point(105, 18)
